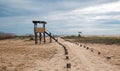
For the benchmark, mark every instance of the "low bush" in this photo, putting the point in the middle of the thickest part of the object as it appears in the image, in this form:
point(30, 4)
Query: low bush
point(102, 40)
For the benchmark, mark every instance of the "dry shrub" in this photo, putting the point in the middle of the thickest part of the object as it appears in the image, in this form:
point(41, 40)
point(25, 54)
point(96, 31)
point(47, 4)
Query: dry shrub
point(6, 36)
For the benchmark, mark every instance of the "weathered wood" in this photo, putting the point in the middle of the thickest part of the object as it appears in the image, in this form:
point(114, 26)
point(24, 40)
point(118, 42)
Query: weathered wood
point(43, 25)
point(36, 38)
point(99, 53)
point(44, 37)
point(40, 30)
point(108, 57)
point(35, 25)
point(50, 38)
point(40, 37)
point(68, 65)
point(35, 22)
point(67, 57)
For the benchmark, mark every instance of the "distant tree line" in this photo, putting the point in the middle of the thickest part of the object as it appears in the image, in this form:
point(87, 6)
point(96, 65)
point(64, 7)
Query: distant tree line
point(6, 35)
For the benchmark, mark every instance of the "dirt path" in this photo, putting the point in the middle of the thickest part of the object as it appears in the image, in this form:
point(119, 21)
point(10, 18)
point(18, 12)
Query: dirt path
point(83, 60)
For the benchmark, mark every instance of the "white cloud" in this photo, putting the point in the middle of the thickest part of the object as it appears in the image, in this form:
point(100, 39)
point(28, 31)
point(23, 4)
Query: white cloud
point(105, 17)
point(86, 19)
point(104, 8)
point(87, 13)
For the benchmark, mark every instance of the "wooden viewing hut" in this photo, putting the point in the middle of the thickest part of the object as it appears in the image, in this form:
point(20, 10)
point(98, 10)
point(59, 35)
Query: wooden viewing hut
point(39, 30)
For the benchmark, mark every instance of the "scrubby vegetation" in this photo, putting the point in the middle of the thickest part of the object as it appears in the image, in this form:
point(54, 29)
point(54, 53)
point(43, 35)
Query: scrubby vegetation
point(26, 37)
point(94, 39)
point(6, 36)
point(11, 36)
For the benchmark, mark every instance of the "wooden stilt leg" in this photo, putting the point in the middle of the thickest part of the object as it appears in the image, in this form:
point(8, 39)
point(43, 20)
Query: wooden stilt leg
point(40, 37)
point(44, 37)
point(50, 38)
point(36, 38)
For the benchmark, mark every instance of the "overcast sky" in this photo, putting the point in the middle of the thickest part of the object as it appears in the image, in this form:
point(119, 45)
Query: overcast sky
point(91, 17)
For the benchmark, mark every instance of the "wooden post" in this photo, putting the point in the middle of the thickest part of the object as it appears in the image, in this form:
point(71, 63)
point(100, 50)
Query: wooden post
point(36, 38)
point(44, 37)
point(50, 38)
point(40, 37)
point(44, 33)
point(35, 25)
point(68, 65)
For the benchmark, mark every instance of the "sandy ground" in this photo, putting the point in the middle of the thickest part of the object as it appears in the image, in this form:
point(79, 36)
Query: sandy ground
point(112, 51)
point(24, 55)
point(85, 60)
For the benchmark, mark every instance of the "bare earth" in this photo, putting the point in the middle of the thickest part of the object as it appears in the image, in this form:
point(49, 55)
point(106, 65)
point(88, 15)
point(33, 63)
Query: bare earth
point(24, 55)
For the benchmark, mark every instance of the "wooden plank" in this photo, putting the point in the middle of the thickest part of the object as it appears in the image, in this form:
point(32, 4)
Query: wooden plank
point(39, 30)
point(51, 36)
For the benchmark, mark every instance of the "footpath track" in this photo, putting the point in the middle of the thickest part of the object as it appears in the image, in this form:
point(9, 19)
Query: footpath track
point(79, 59)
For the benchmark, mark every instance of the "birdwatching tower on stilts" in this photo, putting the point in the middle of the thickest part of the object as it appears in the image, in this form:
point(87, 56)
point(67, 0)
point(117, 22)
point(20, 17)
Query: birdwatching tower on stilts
point(40, 31)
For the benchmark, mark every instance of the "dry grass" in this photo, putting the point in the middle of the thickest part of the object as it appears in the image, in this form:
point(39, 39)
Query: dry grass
point(6, 36)
point(107, 46)
point(20, 55)
point(95, 39)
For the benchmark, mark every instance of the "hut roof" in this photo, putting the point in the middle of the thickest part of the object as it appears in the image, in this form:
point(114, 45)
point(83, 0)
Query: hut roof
point(40, 22)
